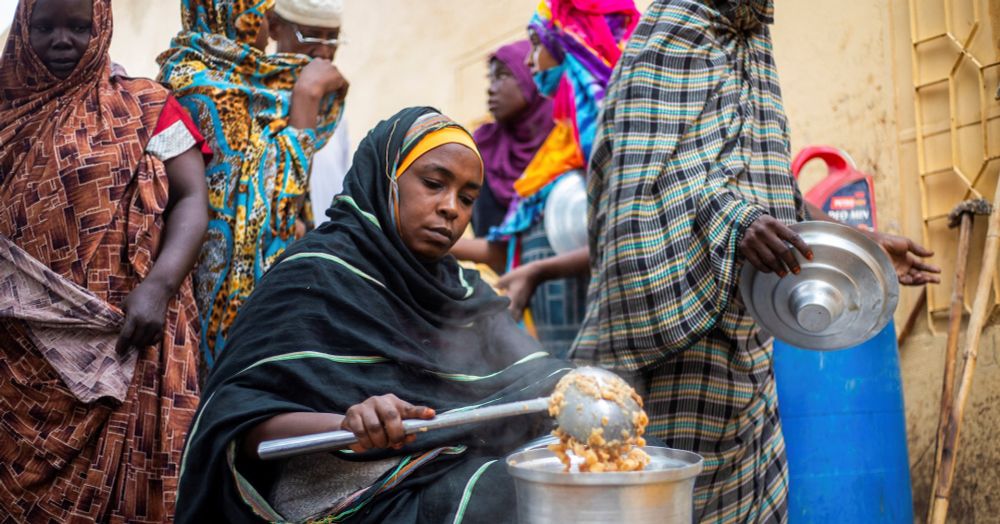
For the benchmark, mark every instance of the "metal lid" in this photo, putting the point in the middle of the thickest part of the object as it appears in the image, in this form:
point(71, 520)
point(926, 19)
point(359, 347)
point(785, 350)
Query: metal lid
point(843, 297)
point(565, 218)
point(665, 464)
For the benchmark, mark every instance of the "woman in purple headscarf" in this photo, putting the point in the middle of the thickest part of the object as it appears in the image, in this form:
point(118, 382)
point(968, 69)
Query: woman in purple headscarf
point(523, 118)
point(575, 46)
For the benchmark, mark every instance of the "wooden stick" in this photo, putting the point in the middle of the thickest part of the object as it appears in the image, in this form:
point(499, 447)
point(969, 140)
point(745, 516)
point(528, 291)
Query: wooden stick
point(980, 310)
point(911, 319)
point(951, 351)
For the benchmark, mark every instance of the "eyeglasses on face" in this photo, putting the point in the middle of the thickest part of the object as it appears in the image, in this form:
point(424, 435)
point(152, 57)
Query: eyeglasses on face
point(332, 42)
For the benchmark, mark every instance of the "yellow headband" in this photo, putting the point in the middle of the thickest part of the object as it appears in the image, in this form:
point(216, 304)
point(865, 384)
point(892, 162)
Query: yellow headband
point(445, 135)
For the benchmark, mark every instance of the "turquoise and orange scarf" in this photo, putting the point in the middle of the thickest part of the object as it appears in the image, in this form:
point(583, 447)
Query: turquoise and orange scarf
point(240, 97)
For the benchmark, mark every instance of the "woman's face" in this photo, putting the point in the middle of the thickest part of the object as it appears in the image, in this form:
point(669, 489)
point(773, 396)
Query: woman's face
point(436, 194)
point(60, 31)
point(506, 101)
point(539, 59)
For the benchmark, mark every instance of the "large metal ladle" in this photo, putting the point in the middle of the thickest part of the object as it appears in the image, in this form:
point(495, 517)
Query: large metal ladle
point(581, 413)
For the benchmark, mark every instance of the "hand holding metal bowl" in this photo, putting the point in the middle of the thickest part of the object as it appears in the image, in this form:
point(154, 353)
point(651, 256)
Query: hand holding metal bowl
point(842, 297)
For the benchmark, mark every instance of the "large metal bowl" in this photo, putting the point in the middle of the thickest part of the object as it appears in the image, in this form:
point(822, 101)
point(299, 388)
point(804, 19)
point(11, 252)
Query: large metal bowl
point(565, 218)
point(843, 297)
point(662, 493)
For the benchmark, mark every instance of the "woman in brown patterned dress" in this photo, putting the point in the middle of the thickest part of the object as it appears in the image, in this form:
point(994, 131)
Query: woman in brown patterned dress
point(103, 207)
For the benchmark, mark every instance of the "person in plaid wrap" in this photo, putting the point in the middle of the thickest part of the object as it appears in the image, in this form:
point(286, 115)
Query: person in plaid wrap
point(689, 178)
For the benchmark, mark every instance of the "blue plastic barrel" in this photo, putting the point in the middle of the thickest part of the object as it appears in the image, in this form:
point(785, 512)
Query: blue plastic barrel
point(845, 433)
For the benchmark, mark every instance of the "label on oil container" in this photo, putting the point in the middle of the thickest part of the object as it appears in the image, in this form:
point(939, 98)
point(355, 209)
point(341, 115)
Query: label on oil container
point(852, 204)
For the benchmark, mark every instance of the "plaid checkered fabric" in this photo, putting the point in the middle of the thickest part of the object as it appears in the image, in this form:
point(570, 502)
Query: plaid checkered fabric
point(691, 149)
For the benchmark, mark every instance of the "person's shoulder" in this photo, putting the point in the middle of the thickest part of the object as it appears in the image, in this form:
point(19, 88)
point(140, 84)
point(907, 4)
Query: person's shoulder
point(672, 16)
point(142, 85)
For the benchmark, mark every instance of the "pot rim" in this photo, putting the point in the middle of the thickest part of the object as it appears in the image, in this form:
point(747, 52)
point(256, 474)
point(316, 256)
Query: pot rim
point(518, 467)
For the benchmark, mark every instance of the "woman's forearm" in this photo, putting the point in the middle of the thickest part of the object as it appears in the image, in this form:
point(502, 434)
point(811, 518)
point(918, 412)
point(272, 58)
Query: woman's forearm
point(306, 100)
point(572, 264)
point(288, 425)
point(186, 221)
point(482, 251)
point(316, 80)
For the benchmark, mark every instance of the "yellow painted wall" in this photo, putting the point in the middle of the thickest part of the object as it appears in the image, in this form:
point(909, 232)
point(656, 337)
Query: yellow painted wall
point(976, 495)
point(847, 75)
point(143, 29)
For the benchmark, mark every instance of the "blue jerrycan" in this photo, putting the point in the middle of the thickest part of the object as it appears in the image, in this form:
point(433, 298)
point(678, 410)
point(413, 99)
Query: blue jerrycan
point(842, 411)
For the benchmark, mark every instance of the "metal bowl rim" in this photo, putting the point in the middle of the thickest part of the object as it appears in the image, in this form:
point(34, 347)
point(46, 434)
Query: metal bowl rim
point(694, 463)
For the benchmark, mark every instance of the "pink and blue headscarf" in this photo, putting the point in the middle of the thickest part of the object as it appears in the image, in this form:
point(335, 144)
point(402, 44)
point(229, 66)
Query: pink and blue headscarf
point(586, 37)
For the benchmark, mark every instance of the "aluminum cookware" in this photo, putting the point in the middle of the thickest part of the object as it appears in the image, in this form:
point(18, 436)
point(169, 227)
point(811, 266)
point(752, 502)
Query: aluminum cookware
point(661, 494)
point(565, 218)
point(844, 296)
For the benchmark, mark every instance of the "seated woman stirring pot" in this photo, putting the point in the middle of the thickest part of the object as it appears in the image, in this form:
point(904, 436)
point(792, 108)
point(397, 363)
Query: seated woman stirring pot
point(363, 323)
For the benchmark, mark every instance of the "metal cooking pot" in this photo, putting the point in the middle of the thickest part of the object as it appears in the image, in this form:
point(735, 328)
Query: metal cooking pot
point(661, 494)
point(843, 297)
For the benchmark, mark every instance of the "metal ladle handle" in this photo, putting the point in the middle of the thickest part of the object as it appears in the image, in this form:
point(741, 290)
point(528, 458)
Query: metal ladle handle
point(334, 440)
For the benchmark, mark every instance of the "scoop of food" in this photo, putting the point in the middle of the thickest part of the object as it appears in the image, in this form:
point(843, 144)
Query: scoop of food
point(596, 412)
point(600, 419)
point(590, 398)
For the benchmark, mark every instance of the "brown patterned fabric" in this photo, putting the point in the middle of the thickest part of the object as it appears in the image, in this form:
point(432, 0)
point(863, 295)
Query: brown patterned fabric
point(73, 329)
point(79, 194)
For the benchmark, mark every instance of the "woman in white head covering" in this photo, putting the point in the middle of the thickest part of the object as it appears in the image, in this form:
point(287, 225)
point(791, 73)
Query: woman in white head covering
point(306, 27)
point(312, 27)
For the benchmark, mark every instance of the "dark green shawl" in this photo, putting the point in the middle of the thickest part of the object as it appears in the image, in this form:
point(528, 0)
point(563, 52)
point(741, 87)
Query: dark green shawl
point(347, 313)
